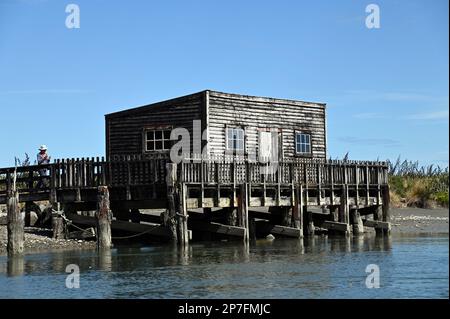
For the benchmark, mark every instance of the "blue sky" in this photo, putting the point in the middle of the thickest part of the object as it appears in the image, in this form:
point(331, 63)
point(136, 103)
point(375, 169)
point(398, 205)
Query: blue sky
point(386, 89)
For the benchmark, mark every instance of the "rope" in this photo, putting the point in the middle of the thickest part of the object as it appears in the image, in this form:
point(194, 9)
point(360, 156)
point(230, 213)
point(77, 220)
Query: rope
point(137, 235)
point(69, 222)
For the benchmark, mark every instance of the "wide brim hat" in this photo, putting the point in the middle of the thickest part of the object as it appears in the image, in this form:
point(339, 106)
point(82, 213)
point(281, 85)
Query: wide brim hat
point(43, 148)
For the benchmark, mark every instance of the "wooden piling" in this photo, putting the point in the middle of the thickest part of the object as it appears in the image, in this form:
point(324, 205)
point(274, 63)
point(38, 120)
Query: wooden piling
point(182, 220)
point(385, 208)
point(170, 215)
point(286, 216)
point(310, 228)
point(16, 233)
point(358, 227)
point(243, 210)
point(298, 209)
point(104, 217)
point(344, 210)
point(231, 217)
point(58, 225)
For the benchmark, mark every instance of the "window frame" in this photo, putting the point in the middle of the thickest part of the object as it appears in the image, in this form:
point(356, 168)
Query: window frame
point(299, 153)
point(165, 141)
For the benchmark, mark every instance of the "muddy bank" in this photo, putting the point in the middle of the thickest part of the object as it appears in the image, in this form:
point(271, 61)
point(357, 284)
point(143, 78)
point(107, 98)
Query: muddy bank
point(38, 239)
point(419, 220)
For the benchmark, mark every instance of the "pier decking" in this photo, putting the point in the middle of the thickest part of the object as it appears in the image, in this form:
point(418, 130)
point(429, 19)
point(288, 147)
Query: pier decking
point(206, 196)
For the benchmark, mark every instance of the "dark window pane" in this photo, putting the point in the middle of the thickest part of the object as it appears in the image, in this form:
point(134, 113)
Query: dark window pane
point(167, 135)
point(150, 146)
point(158, 145)
point(167, 144)
point(150, 136)
point(158, 135)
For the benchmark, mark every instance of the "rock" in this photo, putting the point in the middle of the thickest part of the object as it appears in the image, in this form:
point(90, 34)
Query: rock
point(33, 218)
point(270, 237)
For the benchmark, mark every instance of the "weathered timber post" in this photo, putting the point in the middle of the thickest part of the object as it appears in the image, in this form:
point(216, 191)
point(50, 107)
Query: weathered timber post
point(385, 209)
point(183, 232)
point(16, 233)
point(378, 216)
point(15, 265)
point(57, 218)
point(170, 215)
point(231, 217)
point(344, 209)
point(286, 216)
point(358, 227)
point(298, 209)
point(334, 213)
point(243, 210)
point(104, 217)
point(310, 228)
point(344, 212)
point(252, 229)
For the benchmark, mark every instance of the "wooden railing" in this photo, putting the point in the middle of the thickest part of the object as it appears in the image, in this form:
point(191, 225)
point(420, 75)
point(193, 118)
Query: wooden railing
point(149, 170)
point(307, 172)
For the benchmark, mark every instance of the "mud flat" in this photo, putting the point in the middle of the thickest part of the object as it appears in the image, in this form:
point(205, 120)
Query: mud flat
point(38, 239)
point(420, 220)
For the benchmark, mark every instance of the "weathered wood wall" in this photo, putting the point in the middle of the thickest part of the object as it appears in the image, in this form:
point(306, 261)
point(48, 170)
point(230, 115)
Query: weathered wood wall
point(255, 113)
point(216, 110)
point(124, 130)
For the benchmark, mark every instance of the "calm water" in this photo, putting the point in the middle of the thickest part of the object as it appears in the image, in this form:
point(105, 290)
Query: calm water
point(410, 267)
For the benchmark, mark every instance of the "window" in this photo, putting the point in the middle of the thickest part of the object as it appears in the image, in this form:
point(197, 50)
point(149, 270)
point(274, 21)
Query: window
point(302, 143)
point(235, 139)
point(157, 140)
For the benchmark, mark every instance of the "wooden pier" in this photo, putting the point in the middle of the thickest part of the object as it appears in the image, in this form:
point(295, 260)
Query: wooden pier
point(227, 198)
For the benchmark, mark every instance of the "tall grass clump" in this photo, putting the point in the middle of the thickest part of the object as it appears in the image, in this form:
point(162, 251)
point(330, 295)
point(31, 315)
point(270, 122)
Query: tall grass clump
point(414, 185)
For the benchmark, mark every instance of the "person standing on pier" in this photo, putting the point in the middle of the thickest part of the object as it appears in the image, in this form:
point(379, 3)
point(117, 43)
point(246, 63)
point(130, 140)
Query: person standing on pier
point(42, 159)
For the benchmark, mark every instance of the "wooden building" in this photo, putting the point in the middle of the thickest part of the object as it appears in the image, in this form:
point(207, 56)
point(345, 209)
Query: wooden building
point(230, 123)
point(302, 194)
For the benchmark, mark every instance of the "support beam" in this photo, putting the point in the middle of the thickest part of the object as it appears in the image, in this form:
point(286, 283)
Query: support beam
point(104, 217)
point(378, 225)
point(267, 227)
point(336, 226)
point(217, 228)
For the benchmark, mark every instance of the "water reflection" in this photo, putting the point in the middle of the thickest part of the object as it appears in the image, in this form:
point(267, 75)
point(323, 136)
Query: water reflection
point(16, 266)
point(319, 266)
point(105, 259)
